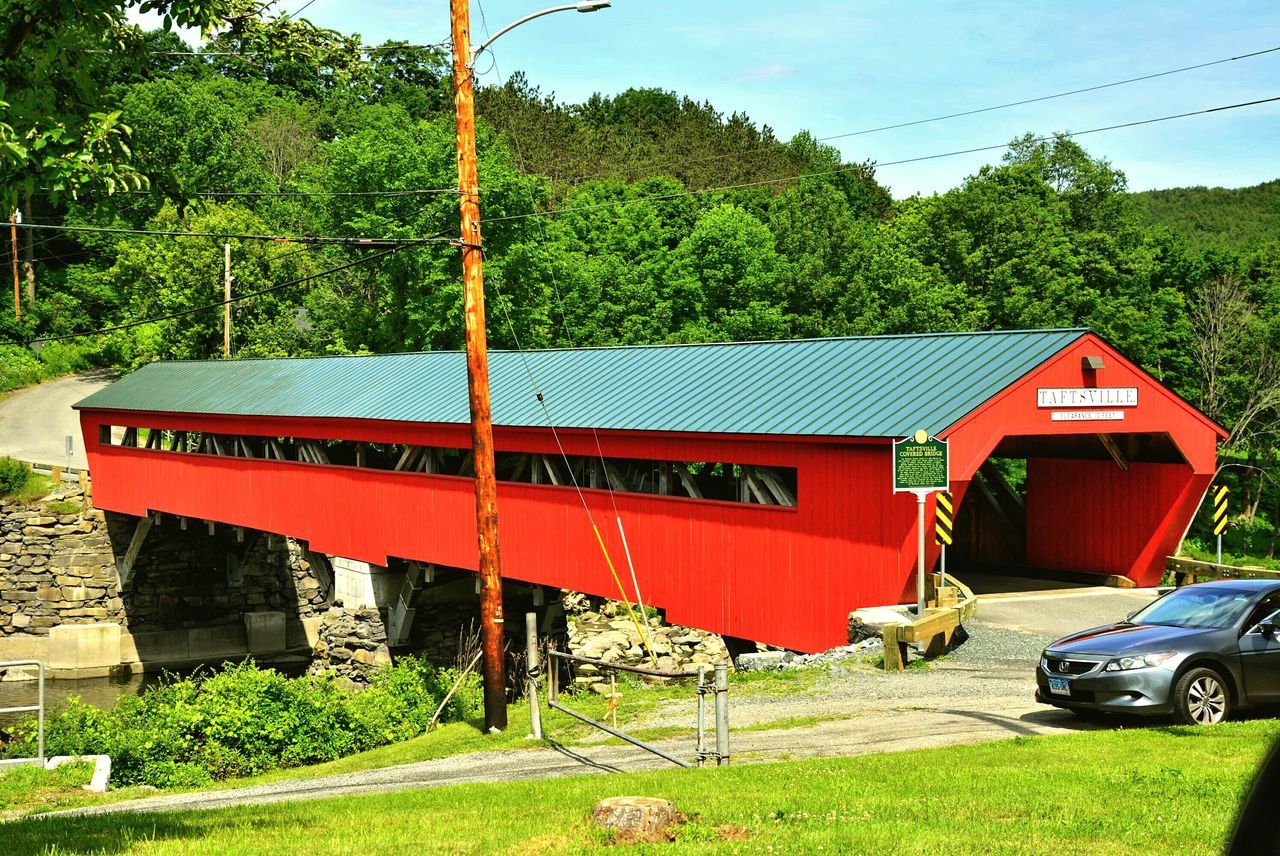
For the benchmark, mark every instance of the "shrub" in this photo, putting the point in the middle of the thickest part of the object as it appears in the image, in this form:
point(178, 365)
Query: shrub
point(14, 476)
point(19, 367)
point(243, 720)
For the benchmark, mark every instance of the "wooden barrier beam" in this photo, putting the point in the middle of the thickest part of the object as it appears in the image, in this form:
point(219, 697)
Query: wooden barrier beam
point(935, 621)
point(1186, 570)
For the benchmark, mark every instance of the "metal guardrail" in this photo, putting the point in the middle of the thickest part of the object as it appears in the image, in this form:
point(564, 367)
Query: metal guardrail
point(719, 689)
point(38, 707)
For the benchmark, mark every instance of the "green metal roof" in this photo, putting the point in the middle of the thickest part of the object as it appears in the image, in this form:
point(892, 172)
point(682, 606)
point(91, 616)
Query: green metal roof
point(882, 386)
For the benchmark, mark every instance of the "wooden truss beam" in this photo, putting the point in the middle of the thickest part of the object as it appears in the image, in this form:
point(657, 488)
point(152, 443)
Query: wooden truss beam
point(1113, 449)
point(125, 564)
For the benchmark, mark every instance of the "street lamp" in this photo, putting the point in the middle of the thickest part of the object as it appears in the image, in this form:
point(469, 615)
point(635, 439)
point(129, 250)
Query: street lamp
point(486, 487)
point(581, 6)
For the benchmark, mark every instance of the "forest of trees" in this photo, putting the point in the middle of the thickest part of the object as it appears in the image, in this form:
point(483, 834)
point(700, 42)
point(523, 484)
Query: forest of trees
point(606, 222)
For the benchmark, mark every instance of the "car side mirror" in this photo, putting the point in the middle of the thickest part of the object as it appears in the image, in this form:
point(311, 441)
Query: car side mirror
point(1268, 630)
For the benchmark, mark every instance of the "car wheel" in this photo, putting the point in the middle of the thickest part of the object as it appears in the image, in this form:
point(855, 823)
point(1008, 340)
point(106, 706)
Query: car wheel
point(1200, 697)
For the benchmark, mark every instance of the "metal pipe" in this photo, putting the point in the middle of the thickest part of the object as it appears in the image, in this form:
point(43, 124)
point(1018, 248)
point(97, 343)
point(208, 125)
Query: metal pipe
point(702, 715)
point(920, 555)
point(553, 676)
point(38, 707)
point(722, 714)
point(657, 673)
point(40, 715)
point(532, 669)
point(619, 734)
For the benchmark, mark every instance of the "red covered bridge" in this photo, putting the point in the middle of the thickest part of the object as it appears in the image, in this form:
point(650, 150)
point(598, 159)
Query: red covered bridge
point(753, 479)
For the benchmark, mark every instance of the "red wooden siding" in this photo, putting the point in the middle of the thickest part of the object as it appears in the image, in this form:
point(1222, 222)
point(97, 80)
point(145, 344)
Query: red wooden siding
point(1093, 516)
point(785, 576)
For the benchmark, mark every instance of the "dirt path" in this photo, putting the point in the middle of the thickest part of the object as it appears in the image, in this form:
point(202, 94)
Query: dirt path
point(886, 731)
point(34, 422)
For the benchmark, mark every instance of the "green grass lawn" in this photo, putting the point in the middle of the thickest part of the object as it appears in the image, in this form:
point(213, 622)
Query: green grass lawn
point(34, 787)
point(1159, 790)
point(639, 701)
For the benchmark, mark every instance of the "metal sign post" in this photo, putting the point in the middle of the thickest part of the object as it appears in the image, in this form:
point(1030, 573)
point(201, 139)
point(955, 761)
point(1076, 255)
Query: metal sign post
point(1220, 516)
point(943, 524)
point(921, 465)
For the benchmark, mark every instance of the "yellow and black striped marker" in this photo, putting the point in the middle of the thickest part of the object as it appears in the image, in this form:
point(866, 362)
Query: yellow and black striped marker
point(1220, 510)
point(944, 517)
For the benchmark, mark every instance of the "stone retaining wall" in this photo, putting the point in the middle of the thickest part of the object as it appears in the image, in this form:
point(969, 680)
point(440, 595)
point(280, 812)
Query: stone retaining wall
point(186, 601)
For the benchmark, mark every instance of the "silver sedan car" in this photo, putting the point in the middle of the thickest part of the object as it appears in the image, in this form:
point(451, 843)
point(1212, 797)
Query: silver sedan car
point(1197, 653)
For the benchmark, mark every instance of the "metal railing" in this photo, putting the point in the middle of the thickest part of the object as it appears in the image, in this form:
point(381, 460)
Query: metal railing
point(719, 689)
point(38, 707)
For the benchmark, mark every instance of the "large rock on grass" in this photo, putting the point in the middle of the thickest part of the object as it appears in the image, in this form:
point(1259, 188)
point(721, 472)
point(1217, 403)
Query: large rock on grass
point(637, 819)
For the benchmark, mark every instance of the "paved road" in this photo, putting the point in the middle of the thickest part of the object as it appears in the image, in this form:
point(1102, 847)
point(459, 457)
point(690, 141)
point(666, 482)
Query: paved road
point(1056, 613)
point(35, 421)
point(873, 732)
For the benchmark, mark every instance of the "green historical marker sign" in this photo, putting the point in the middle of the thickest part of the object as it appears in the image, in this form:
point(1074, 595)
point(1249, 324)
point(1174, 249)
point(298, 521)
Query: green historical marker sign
point(920, 464)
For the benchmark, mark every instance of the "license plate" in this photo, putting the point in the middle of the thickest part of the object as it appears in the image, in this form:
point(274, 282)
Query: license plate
point(1060, 686)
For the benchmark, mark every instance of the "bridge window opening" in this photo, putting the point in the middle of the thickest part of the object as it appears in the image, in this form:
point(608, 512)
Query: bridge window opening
point(706, 480)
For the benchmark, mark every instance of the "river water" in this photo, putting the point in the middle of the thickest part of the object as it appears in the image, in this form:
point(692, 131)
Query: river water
point(101, 692)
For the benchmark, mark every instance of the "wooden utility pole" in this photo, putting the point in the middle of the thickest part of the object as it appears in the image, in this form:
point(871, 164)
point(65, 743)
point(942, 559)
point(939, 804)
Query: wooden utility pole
point(491, 621)
point(13, 240)
point(226, 300)
point(29, 263)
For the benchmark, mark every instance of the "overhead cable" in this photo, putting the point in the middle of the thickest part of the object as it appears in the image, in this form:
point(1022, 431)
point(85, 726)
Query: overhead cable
point(289, 193)
point(283, 239)
point(296, 12)
point(366, 49)
point(944, 117)
point(880, 165)
point(221, 303)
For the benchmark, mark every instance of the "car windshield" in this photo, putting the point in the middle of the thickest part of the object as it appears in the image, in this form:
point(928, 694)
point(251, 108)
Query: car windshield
point(1197, 606)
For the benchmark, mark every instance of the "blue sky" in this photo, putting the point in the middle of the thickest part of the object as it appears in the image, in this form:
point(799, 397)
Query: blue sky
point(835, 67)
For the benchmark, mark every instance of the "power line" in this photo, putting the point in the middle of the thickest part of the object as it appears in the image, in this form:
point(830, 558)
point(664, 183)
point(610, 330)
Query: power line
point(299, 10)
point(290, 193)
point(841, 170)
point(366, 49)
point(962, 113)
point(208, 306)
point(283, 239)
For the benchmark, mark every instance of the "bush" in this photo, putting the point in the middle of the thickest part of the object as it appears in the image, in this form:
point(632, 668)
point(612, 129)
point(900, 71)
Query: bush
point(14, 476)
point(243, 720)
point(19, 367)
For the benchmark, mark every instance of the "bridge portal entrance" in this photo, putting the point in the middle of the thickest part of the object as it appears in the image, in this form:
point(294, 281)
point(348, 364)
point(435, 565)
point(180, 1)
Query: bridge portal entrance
point(1082, 509)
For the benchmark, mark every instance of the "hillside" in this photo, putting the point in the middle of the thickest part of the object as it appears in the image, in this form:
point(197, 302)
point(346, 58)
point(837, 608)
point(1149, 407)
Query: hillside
point(1240, 218)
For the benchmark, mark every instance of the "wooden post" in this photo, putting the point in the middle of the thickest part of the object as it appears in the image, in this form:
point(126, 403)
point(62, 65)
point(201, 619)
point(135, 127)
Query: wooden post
point(491, 620)
point(895, 650)
point(13, 239)
point(29, 263)
point(226, 300)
